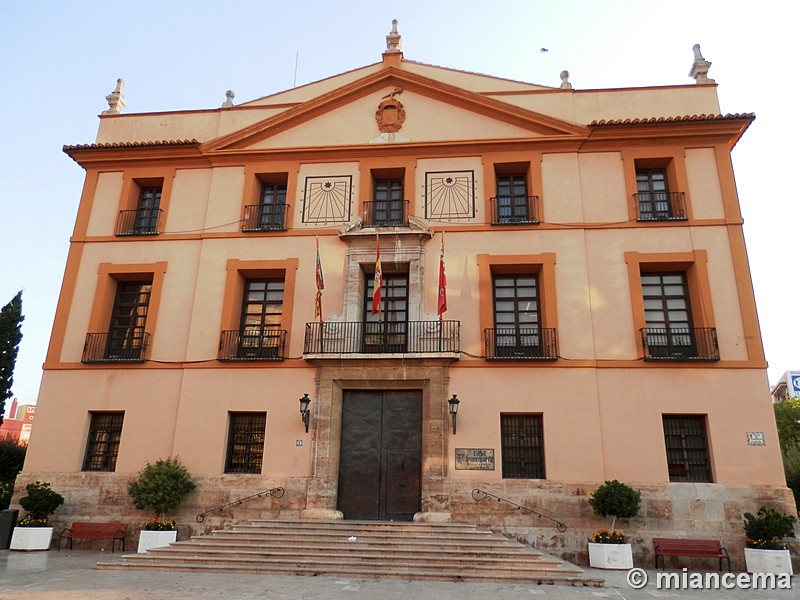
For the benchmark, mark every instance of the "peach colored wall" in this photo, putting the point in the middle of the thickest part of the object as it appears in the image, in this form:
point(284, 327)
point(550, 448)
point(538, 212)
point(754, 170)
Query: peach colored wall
point(105, 204)
point(189, 200)
point(562, 188)
point(225, 204)
point(426, 120)
point(148, 428)
point(706, 195)
point(475, 82)
point(602, 187)
point(208, 395)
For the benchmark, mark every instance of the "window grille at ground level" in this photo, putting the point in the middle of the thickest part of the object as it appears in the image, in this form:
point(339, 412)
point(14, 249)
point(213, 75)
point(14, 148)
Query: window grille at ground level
point(687, 448)
point(102, 447)
point(522, 441)
point(246, 442)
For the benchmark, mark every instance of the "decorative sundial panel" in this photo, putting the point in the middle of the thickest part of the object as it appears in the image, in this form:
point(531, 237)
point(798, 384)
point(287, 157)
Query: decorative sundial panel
point(449, 195)
point(327, 199)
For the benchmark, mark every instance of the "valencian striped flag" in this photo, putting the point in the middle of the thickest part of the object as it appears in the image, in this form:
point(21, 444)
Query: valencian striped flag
point(320, 287)
point(376, 292)
point(441, 306)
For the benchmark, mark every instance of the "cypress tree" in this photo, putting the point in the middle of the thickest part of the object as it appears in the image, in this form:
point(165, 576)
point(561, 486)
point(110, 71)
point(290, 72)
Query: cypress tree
point(10, 336)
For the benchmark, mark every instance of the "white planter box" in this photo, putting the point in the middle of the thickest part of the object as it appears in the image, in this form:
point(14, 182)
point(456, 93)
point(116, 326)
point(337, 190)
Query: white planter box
point(155, 539)
point(610, 556)
point(767, 561)
point(31, 538)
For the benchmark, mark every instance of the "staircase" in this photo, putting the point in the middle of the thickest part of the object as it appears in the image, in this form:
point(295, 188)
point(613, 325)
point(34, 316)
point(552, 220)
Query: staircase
point(362, 549)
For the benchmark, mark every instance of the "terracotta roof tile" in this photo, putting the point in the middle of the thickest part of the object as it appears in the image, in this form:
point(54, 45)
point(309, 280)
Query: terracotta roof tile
point(657, 120)
point(103, 146)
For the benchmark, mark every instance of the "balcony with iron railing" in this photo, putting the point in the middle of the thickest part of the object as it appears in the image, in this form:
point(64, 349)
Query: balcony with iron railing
point(257, 343)
point(660, 206)
point(680, 344)
point(515, 210)
point(265, 217)
point(521, 343)
point(438, 338)
point(385, 213)
point(140, 221)
point(112, 348)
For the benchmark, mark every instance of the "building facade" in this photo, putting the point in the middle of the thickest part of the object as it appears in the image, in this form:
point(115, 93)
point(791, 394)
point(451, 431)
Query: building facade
point(600, 321)
point(788, 386)
point(17, 426)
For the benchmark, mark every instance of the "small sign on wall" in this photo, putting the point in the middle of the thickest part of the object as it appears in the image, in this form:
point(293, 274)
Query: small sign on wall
point(755, 438)
point(475, 459)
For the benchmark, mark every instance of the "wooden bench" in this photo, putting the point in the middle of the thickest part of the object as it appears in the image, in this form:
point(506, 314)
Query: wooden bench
point(96, 531)
point(677, 547)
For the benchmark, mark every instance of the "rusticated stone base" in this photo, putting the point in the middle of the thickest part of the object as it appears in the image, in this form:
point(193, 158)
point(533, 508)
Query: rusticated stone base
point(691, 510)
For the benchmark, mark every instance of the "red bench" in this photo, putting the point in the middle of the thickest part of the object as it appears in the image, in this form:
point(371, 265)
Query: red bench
point(96, 531)
point(701, 548)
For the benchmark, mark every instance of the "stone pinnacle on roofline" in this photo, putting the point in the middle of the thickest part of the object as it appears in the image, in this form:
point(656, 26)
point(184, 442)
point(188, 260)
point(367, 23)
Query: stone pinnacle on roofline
point(394, 42)
point(116, 102)
point(700, 67)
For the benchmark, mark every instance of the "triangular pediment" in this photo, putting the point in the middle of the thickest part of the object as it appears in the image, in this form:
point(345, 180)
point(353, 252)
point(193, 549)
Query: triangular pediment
point(433, 112)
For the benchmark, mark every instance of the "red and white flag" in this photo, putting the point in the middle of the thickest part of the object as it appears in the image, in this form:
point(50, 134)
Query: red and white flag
point(320, 287)
point(376, 291)
point(441, 306)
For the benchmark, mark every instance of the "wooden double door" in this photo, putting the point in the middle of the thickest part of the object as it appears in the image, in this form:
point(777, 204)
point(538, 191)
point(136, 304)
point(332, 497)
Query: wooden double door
point(380, 465)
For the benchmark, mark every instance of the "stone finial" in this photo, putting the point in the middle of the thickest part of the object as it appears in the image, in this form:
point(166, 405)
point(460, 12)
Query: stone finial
point(565, 84)
point(116, 102)
point(394, 42)
point(229, 95)
point(700, 67)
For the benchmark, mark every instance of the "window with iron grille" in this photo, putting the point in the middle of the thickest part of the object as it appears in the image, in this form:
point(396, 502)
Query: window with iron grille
point(126, 332)
point(522, 440)
point(272, 207)
point(687, 448)
point(262, 311)
point(516, 315)
point(512, 199)
point(387, 203)
point(102, 447)
point(246, 442)
point(147, 210)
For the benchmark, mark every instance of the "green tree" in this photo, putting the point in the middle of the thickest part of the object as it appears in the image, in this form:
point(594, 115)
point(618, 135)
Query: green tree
point(161, 487)
point(787, 417)
point(10, 336)
point(791, 468)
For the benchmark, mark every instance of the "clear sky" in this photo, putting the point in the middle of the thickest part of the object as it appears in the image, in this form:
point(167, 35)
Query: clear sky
point(58, 61)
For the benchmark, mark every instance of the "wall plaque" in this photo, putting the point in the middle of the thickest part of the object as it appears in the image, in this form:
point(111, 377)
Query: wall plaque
point(475, 459)
point(756, 438)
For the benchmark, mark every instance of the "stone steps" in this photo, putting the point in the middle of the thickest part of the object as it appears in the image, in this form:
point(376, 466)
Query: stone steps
point(380, 550)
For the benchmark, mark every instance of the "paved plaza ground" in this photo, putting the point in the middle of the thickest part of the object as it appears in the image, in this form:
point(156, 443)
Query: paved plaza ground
point(71, 575)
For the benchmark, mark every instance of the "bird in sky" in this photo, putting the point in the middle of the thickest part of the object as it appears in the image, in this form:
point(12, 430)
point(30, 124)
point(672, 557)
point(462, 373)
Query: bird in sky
point(543, 50)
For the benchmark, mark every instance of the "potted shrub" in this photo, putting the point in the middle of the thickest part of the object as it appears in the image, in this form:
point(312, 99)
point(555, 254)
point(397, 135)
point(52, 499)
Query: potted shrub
point(765, 551)
point(33, 531)
point(607, 547)
point(160, 488)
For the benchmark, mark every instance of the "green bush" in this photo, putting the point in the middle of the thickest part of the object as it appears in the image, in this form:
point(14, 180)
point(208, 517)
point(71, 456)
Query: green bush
point(40, 503)
point(767, 528)
point(161, 487)
point(12, 457)
point(617, 500)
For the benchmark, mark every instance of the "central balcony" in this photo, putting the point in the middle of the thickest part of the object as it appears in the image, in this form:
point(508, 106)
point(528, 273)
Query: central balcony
point(408, 338)
point(385, 213)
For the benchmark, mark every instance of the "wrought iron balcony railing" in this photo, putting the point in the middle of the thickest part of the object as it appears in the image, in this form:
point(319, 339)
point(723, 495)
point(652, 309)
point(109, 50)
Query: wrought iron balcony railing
point(128, 346)
point(256, 343)
point(140, 221)
point(515, 210)
point(521, 343)
point(406, 337)
point(385, 213)
point(677, 344)
point(265, 217)
point(660, 206)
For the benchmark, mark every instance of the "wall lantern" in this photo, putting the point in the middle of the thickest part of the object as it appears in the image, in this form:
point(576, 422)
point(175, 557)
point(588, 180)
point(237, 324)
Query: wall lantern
point(454, 402)
point(304, 411)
